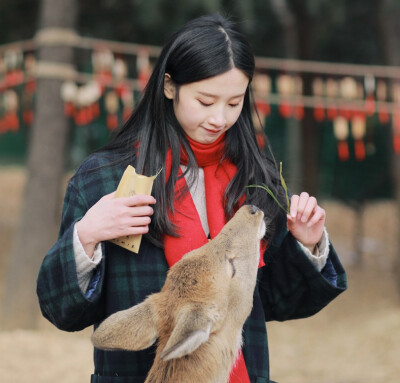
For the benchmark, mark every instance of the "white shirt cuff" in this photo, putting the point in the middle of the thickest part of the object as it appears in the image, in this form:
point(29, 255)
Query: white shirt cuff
point(84, 265)
point(319, 259)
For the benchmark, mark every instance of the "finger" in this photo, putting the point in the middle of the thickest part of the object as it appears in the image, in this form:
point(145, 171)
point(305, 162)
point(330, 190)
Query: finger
point(141, 211)
point(140, 221)
point(139, 199)
point(133, 230)
point(294, 201)
point(139, 230)
point(311, 204)
point(131, 226)
point(302, 204)
point(318, 216)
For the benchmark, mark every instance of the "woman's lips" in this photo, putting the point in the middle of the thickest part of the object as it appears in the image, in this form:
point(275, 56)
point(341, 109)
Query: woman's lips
point(212, 131)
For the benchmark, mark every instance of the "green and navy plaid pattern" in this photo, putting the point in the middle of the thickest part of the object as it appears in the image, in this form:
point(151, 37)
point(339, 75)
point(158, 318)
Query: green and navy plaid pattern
point(288, 286)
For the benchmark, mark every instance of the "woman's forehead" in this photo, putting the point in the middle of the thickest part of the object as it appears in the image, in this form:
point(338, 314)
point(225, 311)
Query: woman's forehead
point(232, 83)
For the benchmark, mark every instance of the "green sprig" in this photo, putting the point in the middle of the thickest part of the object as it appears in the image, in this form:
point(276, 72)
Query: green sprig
point(159, 171)
point(270, 192)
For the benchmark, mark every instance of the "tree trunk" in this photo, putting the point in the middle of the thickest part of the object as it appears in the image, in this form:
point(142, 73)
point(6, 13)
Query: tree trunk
point(40, 210)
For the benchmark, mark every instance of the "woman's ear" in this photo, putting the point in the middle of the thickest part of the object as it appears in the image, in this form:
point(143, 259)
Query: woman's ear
point(169, 87)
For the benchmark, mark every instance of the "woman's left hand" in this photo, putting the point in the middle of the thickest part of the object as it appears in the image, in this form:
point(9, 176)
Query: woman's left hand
point(306, 220)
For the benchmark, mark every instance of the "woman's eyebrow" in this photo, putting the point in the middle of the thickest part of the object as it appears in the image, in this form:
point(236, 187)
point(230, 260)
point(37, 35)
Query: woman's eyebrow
point(215, 96)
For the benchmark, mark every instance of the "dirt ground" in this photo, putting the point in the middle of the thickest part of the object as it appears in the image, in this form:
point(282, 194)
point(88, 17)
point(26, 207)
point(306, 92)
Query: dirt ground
point(355, 339)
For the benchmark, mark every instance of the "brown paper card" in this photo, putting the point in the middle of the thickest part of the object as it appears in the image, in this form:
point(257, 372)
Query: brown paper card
point(130, 184)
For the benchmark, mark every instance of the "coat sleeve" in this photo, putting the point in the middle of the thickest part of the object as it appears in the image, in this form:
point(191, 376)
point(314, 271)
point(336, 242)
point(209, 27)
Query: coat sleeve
point(290, 286)
point(61, 300)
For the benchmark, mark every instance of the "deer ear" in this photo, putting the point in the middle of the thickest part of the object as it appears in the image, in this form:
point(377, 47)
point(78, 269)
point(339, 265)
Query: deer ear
point(191, 330)
point(132, 329)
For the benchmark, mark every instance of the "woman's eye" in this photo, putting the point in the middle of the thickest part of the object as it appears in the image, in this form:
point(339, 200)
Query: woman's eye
point(205, 103)
point(234, 105)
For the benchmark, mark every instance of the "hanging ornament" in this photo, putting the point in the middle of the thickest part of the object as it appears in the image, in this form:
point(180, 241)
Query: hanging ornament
point(332, 92)
point(128, 104)
point(318, 92)
point(369, 86)
point(262, 88)
point(112, 106)
point(285, 86)
point(381, 95)
point(14, 75)
point(396, 92)
point(30, 79)
point(11, 103)
point(358, 129)
point(27, 108)
point(69, 92)
point(103, 62)
point(348, 91)
point(359, 110)
point(87, 98)
point(93, 94)
point(341, 131)
point(80, 117)
point(120, 74)
point(144, 68)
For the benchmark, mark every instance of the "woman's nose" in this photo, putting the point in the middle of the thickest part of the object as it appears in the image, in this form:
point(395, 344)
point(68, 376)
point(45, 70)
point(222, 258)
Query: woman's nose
point(218, 119)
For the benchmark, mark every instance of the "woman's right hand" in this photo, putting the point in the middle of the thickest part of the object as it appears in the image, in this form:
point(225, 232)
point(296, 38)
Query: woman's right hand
point(112, 218)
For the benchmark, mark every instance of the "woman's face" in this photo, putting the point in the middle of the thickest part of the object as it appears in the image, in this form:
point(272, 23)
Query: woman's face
point(206, 109)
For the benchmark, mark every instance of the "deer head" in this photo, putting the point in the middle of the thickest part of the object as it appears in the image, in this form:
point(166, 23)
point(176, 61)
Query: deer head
point(202, 307)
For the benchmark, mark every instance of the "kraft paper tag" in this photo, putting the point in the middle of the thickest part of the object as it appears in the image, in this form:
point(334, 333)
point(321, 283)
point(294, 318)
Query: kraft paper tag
point(131, 184)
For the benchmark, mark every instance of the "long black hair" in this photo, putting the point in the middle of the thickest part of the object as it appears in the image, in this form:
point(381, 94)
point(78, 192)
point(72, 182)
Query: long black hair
point(205, 47)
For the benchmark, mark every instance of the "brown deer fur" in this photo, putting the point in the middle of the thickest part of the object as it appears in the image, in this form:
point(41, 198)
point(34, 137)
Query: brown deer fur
point(199, 314)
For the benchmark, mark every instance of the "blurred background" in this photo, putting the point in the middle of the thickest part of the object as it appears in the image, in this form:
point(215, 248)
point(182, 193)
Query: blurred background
point(327, 91)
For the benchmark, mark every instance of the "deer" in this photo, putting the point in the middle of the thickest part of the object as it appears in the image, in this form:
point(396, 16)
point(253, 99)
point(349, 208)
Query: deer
point(198, 315)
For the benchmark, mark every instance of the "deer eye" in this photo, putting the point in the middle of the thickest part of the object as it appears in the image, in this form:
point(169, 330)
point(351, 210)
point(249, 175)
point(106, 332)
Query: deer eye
point(233, 267)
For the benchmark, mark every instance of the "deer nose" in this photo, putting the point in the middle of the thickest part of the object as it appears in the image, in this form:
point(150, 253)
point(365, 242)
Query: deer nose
point(254, 209)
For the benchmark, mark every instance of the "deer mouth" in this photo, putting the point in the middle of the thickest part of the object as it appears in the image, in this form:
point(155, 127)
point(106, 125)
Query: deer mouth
point(262, 229)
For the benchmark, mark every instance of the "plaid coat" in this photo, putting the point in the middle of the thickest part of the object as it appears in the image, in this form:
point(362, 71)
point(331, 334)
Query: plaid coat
point(288, 286)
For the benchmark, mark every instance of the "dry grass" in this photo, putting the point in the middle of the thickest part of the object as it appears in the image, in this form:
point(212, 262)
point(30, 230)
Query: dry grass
point(355, 339)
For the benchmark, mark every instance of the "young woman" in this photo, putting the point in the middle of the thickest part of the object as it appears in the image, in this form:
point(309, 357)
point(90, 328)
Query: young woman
point(194, 121)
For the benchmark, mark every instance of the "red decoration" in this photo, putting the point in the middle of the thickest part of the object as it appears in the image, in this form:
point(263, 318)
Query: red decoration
point(263, 107)
point(319, 113)
point(396, 144)
point(69, 109)
point(104, 78)
point(285, 109)
point(359, 150)
point(260, 140)
point(370, 105)
point(28, 117)
point(298, 112)
point(30, 86)
point(11, 122)
point(343, 151)
point(80, 117)
point(383, 115)
point(112, 121)
point(347, 113)
point(332, 113)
